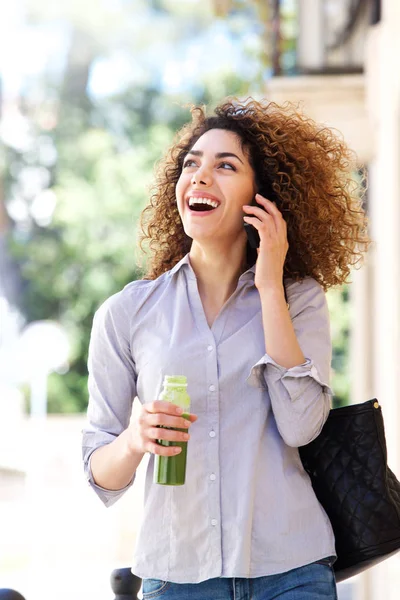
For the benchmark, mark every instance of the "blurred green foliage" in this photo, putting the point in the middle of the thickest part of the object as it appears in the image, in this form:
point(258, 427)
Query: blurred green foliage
point(98, 155)
point(339, 309)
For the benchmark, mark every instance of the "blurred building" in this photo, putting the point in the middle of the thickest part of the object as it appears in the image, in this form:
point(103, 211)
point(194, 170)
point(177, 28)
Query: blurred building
point(348, 78)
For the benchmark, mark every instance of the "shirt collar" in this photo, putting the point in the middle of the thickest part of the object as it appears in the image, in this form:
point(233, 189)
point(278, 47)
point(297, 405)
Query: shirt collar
point(184, 261)
point(249, 274)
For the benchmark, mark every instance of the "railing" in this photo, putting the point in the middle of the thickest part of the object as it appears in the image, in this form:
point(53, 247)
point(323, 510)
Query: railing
point(311, 36)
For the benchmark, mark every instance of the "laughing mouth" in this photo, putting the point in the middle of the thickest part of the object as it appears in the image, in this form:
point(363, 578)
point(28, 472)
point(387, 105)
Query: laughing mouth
point(202, 204)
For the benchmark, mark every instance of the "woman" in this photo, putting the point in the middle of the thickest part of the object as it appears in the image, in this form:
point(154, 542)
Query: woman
point(250, 330)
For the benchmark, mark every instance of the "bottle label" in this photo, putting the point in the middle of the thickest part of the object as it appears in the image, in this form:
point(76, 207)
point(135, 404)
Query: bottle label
point(174, 391)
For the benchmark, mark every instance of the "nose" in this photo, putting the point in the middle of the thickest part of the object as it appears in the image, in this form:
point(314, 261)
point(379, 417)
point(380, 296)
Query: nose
point(202, 176)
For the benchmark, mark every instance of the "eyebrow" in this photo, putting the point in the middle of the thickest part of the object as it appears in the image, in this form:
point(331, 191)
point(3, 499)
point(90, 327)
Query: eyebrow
point(218, 154)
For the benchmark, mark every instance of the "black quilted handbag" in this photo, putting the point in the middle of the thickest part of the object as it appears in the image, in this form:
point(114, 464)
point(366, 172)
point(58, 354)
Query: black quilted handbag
point(347, 464)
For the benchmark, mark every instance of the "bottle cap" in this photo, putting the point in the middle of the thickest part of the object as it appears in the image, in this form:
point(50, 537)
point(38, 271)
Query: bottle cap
point(175, 380)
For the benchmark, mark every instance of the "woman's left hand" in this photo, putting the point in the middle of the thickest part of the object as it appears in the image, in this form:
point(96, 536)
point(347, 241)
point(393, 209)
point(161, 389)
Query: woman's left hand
point(272, 230)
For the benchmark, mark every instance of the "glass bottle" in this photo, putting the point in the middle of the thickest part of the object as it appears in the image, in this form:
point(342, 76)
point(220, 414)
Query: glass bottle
point(171, 470)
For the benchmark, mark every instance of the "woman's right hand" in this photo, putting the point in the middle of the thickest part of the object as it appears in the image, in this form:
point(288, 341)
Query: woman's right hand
point(144, 430)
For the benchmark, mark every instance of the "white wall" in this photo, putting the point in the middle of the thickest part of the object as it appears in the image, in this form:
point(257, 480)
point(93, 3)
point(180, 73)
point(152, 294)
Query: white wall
point(383, 100)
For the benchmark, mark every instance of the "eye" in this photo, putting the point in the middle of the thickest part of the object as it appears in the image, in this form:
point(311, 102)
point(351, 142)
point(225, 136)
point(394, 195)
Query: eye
point(189, 163)
point(227, 165)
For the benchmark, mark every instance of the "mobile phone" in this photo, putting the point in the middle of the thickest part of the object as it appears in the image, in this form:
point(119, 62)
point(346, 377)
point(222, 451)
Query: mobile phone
point(252, 235)
point(251, 232)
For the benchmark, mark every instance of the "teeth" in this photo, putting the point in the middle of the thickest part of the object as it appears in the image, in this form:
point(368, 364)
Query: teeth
point(203, 201)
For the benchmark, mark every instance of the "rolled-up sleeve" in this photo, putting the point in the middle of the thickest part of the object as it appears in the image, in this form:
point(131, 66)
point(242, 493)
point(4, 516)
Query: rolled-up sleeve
point(301, 396)
point(111, 385)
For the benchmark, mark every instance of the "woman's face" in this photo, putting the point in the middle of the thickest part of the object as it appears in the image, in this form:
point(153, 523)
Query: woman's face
point(216, 181)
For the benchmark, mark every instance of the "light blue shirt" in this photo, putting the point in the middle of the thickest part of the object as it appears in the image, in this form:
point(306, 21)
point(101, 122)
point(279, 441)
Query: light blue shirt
point(247, 508)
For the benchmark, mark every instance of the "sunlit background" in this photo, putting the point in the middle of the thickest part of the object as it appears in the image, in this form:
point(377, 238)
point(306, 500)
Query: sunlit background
point(91, 94)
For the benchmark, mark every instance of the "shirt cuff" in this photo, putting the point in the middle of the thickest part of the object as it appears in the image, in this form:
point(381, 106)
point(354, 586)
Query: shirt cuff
point(108, 497)
point(266, 368)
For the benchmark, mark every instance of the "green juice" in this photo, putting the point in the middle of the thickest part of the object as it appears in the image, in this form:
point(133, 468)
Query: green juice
point(171, 470)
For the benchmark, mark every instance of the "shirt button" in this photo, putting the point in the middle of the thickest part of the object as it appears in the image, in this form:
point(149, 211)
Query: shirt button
point(212, 434)
point(209, 348)
point(212, 388)
point(212, 477)
point(214, 522)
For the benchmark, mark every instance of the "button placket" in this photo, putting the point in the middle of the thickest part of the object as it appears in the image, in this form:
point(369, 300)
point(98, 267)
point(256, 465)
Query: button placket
point(210, 337)
point(212, 391)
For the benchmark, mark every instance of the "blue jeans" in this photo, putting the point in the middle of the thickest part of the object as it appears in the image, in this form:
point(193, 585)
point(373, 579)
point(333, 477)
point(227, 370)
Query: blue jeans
point(311, 582)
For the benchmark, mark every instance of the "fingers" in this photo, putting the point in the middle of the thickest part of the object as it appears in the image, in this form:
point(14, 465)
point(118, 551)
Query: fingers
point(271, 226)
point(269, 205)
point(160, 420)
point(258, 212)
point(192, 418)
point(280, 223)
point(165, 442)
point(170, 435)
point(159, 406)
point(268, 212)
point(167, 420)
point(155, 448)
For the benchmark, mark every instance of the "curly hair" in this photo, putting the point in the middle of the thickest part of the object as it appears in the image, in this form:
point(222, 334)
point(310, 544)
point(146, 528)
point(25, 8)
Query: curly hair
point(307, 170)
